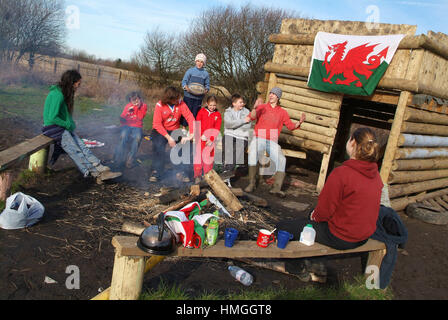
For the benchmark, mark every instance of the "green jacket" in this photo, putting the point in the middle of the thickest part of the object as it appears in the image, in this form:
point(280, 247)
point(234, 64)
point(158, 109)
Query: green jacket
point(56, 110)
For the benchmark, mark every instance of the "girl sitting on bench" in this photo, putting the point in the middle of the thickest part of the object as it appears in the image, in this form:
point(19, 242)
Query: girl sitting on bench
point(59, 125)
point(347, 208)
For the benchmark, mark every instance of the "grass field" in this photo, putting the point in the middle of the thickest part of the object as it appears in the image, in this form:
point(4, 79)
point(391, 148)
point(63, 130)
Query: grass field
point(353, 290)
point(27, 102)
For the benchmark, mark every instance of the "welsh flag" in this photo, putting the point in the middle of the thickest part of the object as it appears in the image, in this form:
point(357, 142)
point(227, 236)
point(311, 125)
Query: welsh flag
point(350, 64)
point(187, 224)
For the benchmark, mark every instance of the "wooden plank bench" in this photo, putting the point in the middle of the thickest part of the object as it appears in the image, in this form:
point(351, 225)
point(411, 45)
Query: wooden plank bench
point(37, 147)
point(129, 264)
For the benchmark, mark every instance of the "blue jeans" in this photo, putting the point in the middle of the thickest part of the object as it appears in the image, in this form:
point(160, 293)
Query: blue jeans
point(79, 153)
point(257, 148)
point(129, 137)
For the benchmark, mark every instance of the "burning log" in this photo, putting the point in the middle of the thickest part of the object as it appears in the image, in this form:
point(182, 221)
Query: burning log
point(222, 191)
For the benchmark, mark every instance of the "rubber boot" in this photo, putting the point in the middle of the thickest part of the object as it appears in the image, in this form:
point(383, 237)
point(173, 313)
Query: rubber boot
point(278, 182)
point(252, 179)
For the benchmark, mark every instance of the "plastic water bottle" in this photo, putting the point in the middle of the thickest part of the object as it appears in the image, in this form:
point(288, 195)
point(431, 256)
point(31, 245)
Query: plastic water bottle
point(241, 275)
point(308, 235)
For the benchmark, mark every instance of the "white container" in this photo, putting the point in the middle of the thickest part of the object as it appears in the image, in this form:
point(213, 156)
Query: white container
point(308, 235)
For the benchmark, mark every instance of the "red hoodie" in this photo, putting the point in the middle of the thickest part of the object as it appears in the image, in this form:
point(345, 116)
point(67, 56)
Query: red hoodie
point(132, 116)
point(167, 119)
point(209, 120)
point(350, 200)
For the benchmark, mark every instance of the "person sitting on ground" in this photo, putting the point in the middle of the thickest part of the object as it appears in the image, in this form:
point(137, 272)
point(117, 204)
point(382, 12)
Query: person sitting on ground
point(59, 125)
point(167, 114)
point(237, 128)
point(131, 131)
point(197, 75)
point(210, 121)
point(348, 206)
point(270, 118)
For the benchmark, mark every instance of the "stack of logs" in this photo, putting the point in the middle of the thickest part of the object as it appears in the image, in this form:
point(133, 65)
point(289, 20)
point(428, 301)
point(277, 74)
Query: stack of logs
point(322, 110)
point(420, 164)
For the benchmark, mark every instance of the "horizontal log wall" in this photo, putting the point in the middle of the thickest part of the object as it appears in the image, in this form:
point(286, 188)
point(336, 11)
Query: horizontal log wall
point(420, 166)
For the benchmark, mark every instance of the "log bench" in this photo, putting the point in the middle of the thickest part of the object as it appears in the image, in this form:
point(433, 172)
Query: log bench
point(37, 147)
point(130, 261)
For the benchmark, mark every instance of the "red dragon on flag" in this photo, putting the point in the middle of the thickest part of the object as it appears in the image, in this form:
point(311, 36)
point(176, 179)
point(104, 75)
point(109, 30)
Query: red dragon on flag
point(355, 61)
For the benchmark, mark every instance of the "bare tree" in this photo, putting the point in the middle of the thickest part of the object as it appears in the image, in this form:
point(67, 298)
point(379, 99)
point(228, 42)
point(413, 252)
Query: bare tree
point(158, 57)
point(30, 27)
point(235, 41)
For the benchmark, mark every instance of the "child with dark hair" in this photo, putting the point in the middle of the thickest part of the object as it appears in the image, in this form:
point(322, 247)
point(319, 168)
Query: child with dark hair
point(59, 125)
point(131, 131)
point(210, 121)
point(167, 116)
point(237, 129)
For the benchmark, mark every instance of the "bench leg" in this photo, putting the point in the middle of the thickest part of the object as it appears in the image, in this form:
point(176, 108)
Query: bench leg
point(373, 266)
point(5, 185)
point(127, 277)
point(150, 263)
point(39, 160)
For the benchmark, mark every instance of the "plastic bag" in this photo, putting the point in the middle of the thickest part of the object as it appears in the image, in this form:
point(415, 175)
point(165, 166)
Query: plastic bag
point(21, 211)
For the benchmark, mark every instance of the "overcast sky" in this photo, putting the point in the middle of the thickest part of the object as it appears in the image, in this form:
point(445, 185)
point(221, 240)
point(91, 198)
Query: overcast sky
point(115, 28)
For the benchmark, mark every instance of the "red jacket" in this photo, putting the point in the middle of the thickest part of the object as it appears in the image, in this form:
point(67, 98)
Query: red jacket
point(209, 120)
point(271, 118)
point(132, 116)
point(166, 119)
point(350, 200)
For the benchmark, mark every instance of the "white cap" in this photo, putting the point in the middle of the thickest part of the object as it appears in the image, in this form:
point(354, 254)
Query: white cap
point(201, 57)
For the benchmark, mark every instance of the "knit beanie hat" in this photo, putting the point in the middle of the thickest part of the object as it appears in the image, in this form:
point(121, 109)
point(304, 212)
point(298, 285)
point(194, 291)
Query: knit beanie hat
point(277, 91)
point(201, 57)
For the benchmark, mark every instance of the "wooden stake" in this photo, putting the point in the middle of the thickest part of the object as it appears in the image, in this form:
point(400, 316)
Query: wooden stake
point(394, 136)
point(5, 185)
point(127, 277)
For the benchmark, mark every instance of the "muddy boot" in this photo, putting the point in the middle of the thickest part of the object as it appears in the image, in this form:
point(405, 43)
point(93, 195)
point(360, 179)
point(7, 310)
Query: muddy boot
point(252, 179)
point(107, 175)
point(278, 182)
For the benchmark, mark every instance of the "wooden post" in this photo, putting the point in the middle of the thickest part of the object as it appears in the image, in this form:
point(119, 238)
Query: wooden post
point(231, 202)
point(127, 277)
point(119, 77)
point(375, 259)
point(271, 84)
point(323, 170)
point(5, 184)
point(394, 135)
point(38, 161)
point(55, 66)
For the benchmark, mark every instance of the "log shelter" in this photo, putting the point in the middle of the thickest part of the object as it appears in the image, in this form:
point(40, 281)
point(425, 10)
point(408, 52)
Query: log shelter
point(410, 103)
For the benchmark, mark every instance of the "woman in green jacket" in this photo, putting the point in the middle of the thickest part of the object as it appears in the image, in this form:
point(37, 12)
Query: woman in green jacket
point(59, 125)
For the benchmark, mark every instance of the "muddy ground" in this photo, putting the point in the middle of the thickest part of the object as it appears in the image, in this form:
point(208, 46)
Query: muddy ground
point(81, 218)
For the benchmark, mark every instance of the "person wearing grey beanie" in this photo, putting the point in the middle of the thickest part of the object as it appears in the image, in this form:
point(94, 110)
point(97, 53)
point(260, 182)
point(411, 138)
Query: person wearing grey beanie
point(277, 91)
point(270, 118)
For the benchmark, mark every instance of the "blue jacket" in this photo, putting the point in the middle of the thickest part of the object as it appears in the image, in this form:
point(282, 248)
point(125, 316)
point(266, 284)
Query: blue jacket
point(198, 76)
point(390, 230)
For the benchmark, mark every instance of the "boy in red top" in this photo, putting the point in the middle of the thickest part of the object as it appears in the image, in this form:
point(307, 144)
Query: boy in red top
point(131, 131)
point(167, 116)
point(270, 117)
point(210, 123)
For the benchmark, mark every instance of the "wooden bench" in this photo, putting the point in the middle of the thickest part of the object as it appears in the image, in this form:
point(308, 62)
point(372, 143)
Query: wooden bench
point(130, 264)
point(37, 147)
